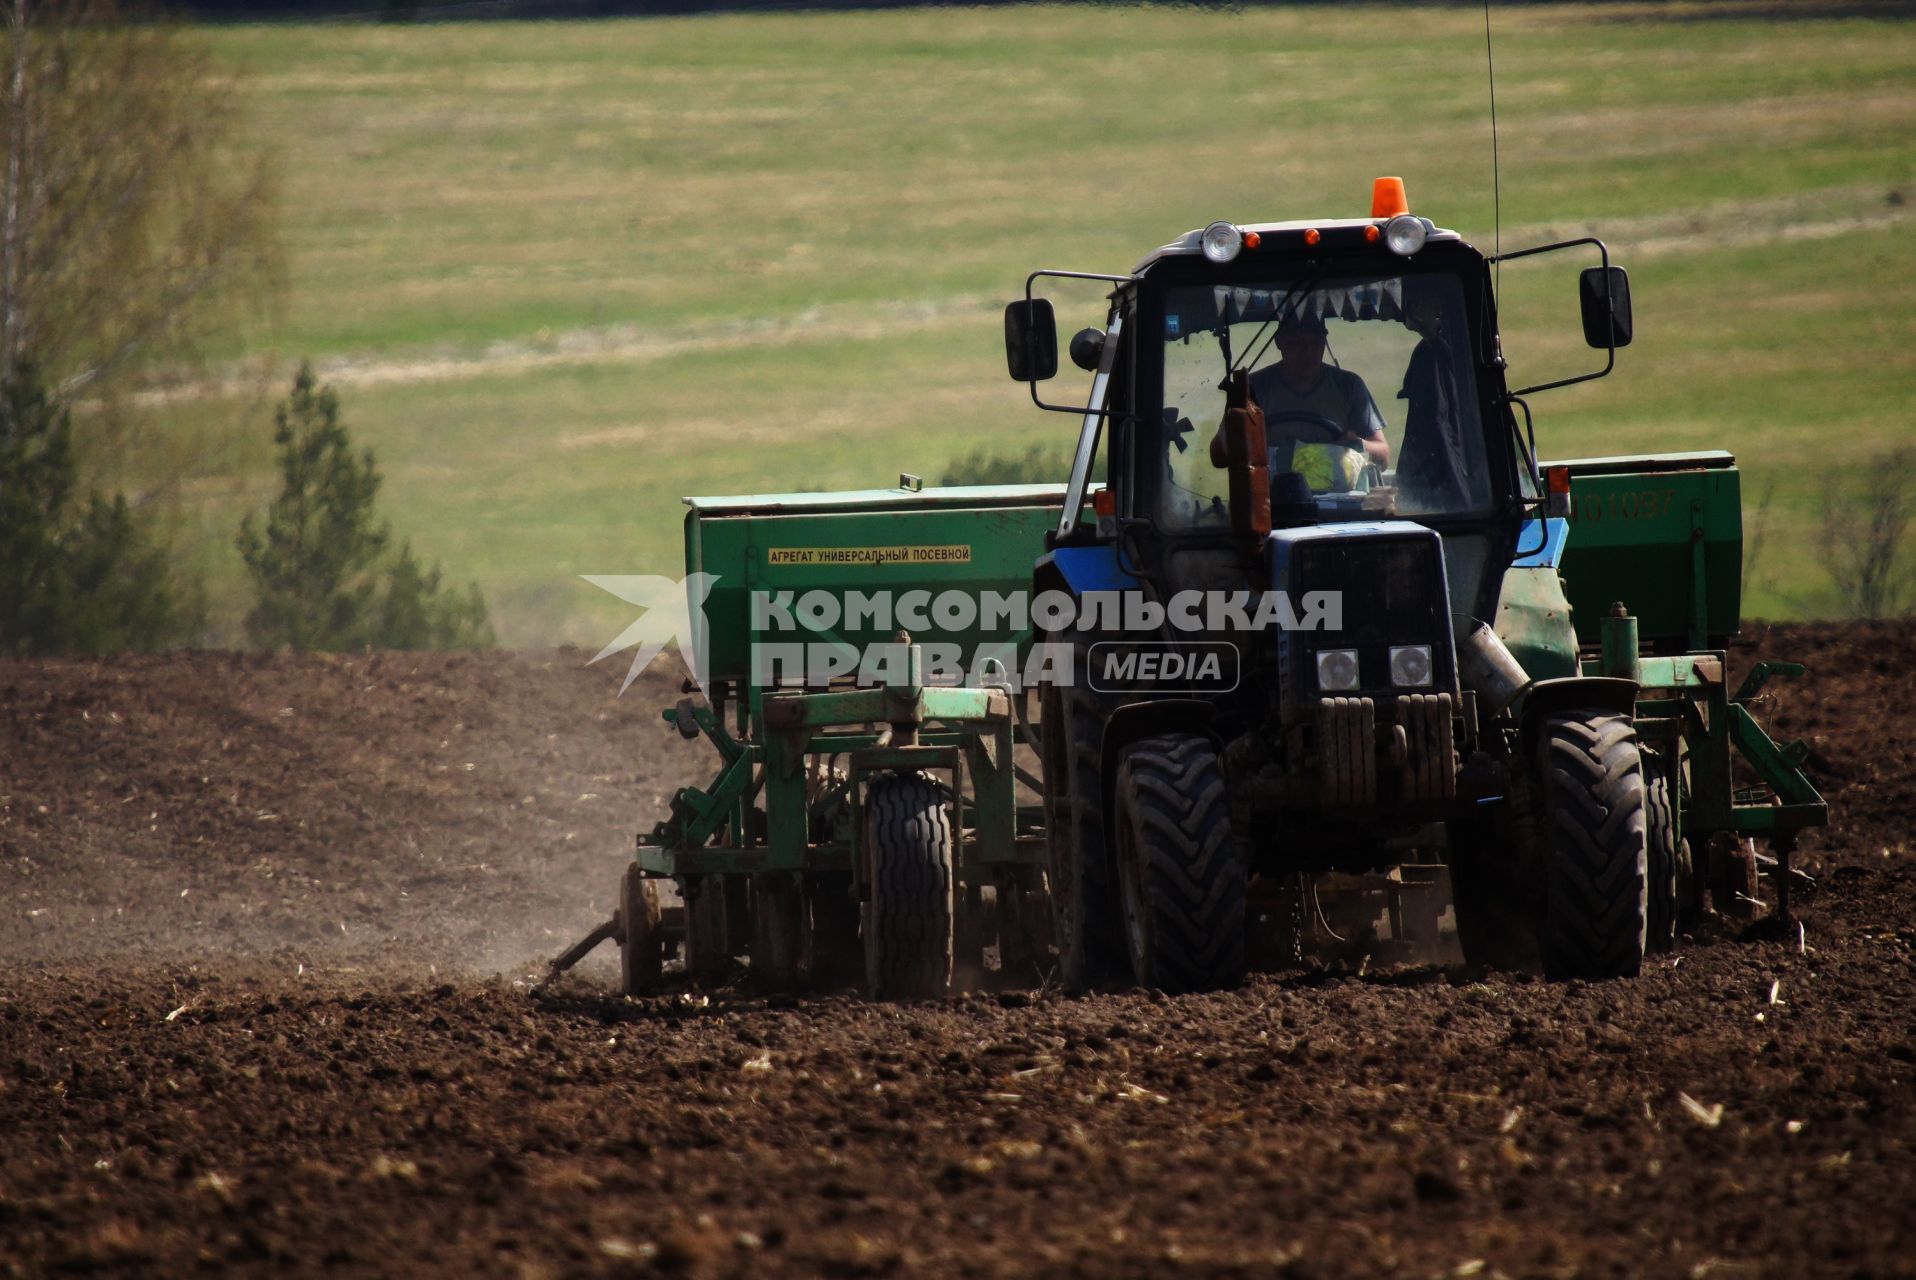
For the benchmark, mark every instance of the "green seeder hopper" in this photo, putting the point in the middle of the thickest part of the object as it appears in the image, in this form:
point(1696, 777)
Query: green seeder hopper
point(1308, 611)
point(865, 816)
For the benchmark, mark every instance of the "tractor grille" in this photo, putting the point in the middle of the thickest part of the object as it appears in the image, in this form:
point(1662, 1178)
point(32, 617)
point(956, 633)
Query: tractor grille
point(1394, 594)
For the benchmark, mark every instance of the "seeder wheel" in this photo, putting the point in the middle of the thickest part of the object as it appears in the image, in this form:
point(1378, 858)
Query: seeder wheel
point(641, 946)
point(908, 935)
point(1667, 853)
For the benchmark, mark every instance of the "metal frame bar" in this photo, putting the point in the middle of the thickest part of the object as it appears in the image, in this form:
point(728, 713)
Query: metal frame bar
point(975, 734)
point(1611, 362)
point(1687, 710)
point(1110, 338)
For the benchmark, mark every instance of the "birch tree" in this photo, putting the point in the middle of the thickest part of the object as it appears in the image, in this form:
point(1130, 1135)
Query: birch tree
point(134, 210)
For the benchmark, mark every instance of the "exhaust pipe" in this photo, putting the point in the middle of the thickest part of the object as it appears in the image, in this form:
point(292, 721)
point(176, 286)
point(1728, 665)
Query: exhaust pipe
point(1486, 665)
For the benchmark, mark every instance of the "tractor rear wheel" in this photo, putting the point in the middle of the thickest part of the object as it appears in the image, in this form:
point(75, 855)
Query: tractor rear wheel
point(779, 926)
point(1084, 901)
point(641, 948)
point(1665, 856)
point(1596, 848)
point(908, 935)
point(1180, 878)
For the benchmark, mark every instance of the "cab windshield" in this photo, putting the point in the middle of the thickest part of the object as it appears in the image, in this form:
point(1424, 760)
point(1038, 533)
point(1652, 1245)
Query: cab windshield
point(1367, 390)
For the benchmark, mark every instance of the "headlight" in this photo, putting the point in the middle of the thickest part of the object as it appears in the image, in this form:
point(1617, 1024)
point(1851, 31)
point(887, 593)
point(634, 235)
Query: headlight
point(1222, 241)
point(1410, 665)
point(1404, 234)
point(1337, 669)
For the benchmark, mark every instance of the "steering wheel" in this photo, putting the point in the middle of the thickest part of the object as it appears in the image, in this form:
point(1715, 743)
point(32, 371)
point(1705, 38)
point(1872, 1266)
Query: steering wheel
point(1332, 430)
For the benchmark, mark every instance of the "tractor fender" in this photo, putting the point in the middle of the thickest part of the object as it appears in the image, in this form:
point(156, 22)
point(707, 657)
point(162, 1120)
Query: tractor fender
point(1139, 720)
point(1573, 693)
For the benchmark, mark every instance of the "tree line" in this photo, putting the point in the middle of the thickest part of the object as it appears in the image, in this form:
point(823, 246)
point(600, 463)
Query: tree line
point(136, 217)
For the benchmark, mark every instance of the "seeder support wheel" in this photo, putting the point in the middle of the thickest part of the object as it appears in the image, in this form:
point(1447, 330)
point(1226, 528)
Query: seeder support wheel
point(641, 944)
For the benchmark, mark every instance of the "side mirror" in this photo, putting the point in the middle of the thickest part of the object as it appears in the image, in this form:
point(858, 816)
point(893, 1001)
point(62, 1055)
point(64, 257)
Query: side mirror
point(1031, 340)
point(1605, 294)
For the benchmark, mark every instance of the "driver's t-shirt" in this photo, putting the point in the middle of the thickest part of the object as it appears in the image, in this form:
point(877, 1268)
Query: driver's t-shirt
point(1339, 395)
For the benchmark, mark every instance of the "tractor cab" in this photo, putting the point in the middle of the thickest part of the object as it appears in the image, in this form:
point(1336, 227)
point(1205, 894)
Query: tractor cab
point(1308, 409)
point(1376, 378)
point(1369, 349)
point(1338, 364)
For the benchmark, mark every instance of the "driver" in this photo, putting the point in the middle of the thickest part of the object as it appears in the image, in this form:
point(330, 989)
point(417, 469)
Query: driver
point(1300, 396)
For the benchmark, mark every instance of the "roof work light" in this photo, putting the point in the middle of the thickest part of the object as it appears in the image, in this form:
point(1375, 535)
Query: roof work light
point(1222, 241)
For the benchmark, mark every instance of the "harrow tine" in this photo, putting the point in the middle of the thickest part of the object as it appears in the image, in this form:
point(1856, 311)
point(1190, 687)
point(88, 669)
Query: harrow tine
point(582, 948)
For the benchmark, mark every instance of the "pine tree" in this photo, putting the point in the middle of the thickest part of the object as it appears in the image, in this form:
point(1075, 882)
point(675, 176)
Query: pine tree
point(78, 574)
point(321, 564)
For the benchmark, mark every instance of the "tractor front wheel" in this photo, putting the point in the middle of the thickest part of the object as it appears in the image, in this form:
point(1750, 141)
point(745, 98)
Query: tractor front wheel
point(1180, 878)
point(908, 933)
point(1596, 848)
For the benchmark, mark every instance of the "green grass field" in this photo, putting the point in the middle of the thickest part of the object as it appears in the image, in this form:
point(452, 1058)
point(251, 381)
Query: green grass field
point(562, 274)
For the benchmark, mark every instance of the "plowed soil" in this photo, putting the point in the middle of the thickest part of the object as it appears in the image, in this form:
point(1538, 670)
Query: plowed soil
point(265, 932)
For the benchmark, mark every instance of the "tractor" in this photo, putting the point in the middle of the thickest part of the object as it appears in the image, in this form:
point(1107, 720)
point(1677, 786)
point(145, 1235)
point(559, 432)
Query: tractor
point(1314, 638)
point(1278, 640)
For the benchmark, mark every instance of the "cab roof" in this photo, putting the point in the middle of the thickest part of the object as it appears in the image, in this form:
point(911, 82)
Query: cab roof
point(1190, 243)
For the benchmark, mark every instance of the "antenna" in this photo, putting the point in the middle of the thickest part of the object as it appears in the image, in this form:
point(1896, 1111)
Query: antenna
point(1496, 175)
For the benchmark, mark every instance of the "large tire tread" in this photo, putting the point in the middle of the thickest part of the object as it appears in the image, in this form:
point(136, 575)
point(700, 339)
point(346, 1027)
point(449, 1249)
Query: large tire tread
point(1595, 827)
point(1189, 876)
point(908, 947)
